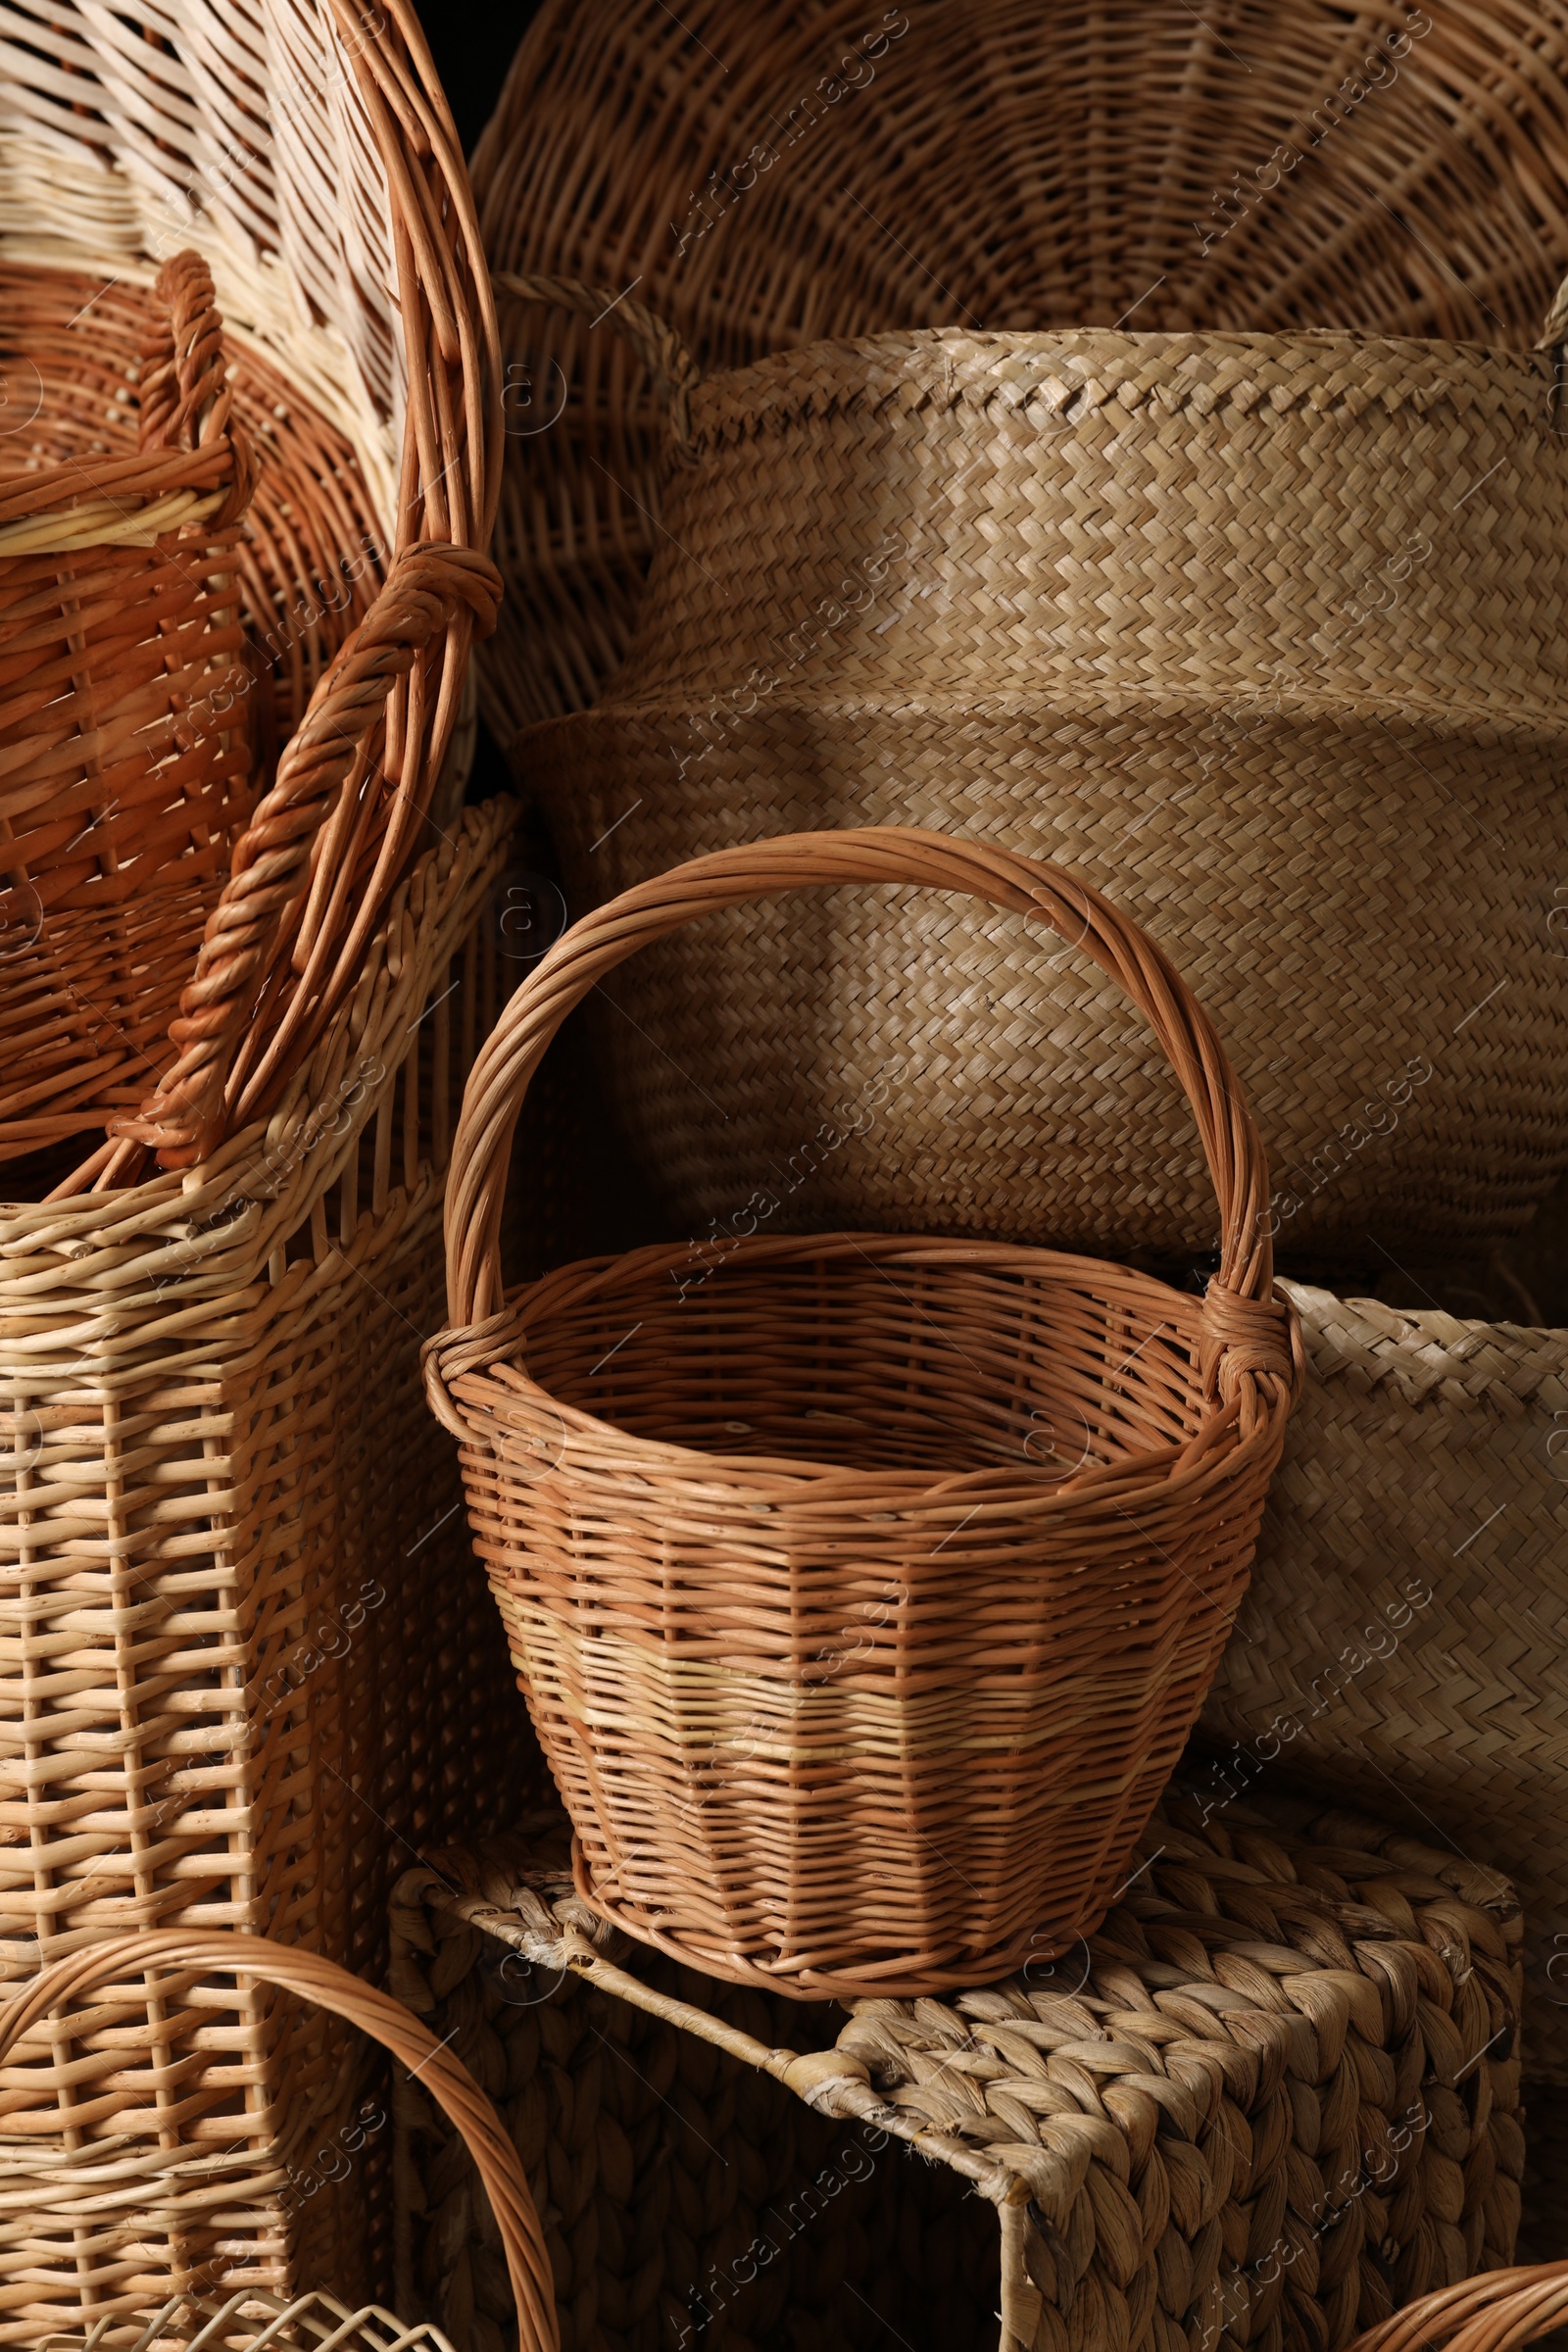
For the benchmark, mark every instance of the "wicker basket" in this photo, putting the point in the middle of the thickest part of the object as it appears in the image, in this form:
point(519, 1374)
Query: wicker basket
point(827, 1558)
point(229, 1525)
point(1492, 2315)
point(1274, 2097)
point(124, 745)
point(112, 1977)
point(1404, 1628)
point(1225, 620)
point(289, 117)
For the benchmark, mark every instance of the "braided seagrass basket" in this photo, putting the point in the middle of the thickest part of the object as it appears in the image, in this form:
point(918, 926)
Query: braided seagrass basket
point(109, 1977)
point(863, 1591)
point(123, 743)
point(1135, 565)
point(383, 330)
point(1405, 1622)
point(1273, 2097)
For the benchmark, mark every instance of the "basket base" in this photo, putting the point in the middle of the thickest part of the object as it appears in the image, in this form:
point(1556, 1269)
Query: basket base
point(887, 1980)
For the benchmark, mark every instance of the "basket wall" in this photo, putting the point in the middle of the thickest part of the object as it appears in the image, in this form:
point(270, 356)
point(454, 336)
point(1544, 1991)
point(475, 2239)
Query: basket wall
point(1181, 2125)
point(1426, 1458)
point(245, 1648)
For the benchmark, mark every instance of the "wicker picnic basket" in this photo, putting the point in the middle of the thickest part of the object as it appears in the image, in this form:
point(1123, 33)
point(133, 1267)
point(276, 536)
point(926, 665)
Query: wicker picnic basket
point(1240, 600)
point(108, 1980)
point(382, 326)
point(125, 747)
point(1273, 2098)
point(1405, 1622)
point(862, 1590)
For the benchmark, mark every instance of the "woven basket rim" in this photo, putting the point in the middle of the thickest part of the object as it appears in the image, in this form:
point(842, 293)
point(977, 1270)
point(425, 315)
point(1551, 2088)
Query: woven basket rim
point(457, 1358)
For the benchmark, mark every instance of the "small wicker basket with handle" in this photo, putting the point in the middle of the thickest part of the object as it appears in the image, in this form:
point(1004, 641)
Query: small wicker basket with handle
point(113, 1977)
point(123, 769)
point(863, 1589)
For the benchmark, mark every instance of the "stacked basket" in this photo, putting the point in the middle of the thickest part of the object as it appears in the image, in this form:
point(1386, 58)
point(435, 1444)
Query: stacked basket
point(1072, 528)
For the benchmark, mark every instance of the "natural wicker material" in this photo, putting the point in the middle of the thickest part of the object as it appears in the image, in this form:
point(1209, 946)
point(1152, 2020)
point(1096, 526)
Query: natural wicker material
point(827, 1559)
point(768, 177)
point(112, 1977)
point(124, 745)
point(311, 157)
point(1492, 2315)
point(250, 2322)
point(1427, 1457)
point(1182, 2129)
point(243, 1652)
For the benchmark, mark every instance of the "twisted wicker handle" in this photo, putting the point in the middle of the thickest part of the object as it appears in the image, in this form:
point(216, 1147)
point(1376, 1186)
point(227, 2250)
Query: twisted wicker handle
point(312, 1979)
point(1489, 2314)
point(185, 400)
point(252, 929)
point(1240, 1313)
point(659, 347)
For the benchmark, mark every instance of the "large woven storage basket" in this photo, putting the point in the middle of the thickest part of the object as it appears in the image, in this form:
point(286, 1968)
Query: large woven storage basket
point(862, 1591)
point(1405, 1624)
point(380, 325)
point(125, 735)
point(1273, 2098)
point(243, 1654)
point(109, 1977)
point(1252, 622)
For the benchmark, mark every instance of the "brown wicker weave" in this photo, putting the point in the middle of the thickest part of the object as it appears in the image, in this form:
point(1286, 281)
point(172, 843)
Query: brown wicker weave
point(1490, 2315)
point(1272, 2098)
point(316, 165)
point(1405, 1623)
point(124, 745)
point(1252, 625)
point(253, 2322)
point(863, 1591)
point(112, 1977)
point(243, 1651)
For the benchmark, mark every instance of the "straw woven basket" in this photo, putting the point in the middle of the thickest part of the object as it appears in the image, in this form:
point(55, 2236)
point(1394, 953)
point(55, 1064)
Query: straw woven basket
point(1252, 622)
point(827, 1559)
point(243, 1652)
point(123, 743)
point(112, 1977)
point(1272, 2099)
point(1404, 1626)
point(284, 119)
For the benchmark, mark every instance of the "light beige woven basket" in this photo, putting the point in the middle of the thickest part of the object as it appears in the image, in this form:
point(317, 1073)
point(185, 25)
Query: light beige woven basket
point(1405, 1623)
point(1254, 625)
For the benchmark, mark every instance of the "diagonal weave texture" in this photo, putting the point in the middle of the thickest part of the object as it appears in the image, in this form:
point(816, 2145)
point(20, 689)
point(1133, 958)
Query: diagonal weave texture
point(1272, 2097)
point(864, 1593)
point(1405, 1625)
point(1256, 631)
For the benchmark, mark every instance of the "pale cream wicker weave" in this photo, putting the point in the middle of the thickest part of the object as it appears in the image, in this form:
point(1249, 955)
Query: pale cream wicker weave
point(863, 1591)
point(1273, 2098)
point(1121, 559)
point(1405, 1624)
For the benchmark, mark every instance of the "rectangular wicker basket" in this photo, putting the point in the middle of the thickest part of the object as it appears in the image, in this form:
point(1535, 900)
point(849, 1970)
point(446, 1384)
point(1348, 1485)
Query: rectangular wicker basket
point(243, 1652)
point(1274, 2096)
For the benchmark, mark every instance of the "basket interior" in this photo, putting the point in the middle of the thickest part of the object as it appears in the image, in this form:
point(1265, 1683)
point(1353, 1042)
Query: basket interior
point(849, 1362)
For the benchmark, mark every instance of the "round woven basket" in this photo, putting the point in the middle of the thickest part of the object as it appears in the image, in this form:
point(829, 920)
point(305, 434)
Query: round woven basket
point(125, 742)
point(1251, 623)
point(862, 1590)
point(310, 159)
point(112, 1977)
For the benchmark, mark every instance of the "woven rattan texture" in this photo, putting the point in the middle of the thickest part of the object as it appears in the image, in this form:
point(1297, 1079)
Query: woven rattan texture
point(331, 201)
point(1273, 2096)
point(1405, 1619)
point(1252, 630)
point(768, 178)
point(863, 1591)
point(88, 995)
point(244, 2322)
point(243, 1652)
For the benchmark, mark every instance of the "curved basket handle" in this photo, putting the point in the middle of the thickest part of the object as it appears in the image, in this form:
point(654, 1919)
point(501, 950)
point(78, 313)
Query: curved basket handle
point(262, 921)
point(1489, 2314)
point(184, 396)
point(660, 349)
point(321, 1981)
point(1240, 1313)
